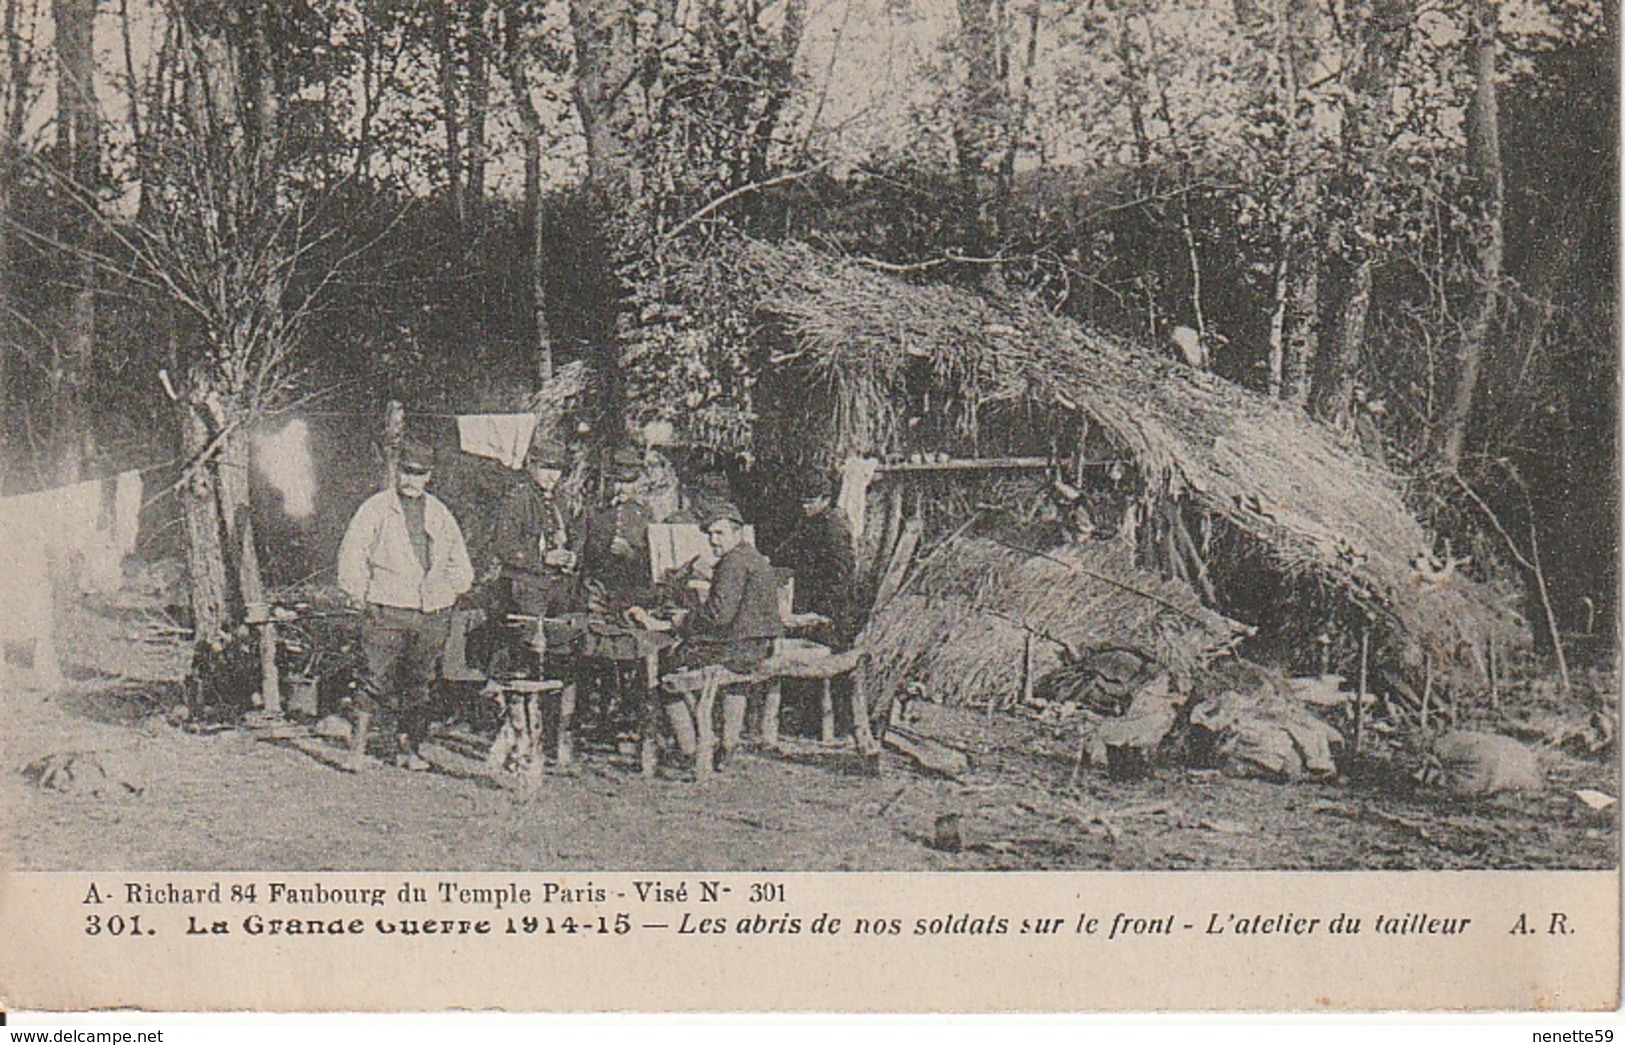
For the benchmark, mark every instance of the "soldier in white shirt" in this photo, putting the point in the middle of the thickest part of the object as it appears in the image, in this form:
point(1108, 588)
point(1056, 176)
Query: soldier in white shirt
point(404, 560)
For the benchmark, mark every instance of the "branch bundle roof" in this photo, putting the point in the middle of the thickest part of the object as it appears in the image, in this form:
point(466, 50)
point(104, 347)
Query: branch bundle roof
point(1280, 479)
point(960, 627)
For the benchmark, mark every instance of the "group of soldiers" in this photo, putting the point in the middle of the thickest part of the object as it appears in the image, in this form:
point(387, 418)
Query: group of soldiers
point(405, 563)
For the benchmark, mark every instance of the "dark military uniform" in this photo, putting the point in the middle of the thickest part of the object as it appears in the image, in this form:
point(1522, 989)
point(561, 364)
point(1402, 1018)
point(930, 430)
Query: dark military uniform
point(530, 524)
point(739, 620)
point(622, 570)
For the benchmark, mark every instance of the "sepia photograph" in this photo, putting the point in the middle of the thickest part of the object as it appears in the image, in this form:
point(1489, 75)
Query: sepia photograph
point(548, 436)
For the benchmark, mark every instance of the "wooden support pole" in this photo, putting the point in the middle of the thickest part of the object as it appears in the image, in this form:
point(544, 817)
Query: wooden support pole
point(1427, 689)
point(270, 677)
point(826, 710)
point(894, 528)
point(1027, 681)
point(649, 741)
point(1495, 686)
point(1185, 545)
point(861, 732)
point(1359, 700)
point(703, 708)
point(259, 613)
point(977, 464)
point(565, 746)
point(902, 556)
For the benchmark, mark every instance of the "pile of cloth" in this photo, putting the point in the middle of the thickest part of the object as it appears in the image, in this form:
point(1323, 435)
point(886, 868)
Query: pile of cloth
point(1273, 731)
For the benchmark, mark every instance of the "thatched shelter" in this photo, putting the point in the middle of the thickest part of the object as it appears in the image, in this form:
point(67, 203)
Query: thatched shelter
point(857, 360)
point(953, 628)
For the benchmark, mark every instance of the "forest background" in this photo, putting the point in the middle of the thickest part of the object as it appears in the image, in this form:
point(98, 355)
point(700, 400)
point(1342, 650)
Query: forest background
point(1401, 217)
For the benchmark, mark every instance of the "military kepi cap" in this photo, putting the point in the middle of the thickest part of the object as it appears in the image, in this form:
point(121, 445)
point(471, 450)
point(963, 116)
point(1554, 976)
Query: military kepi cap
point(725, 510)
point(417, 457)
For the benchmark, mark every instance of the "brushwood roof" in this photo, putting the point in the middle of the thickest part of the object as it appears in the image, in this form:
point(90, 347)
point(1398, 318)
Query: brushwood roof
point(1262, 465)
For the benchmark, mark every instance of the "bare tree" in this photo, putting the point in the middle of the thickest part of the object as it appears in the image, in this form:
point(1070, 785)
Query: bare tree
point(1484, 158)
point(1285, 32)
point(239, 254)
point(78, 128)
point(990, 118)
point(450, 113)
point(980, 120)
point(531, 132)
point(1381, 29)
point(479, 102)
point(17, 94)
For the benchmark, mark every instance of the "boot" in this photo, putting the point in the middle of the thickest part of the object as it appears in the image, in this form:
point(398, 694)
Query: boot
point(407, 756)
point(682, 727)
point(356, 758)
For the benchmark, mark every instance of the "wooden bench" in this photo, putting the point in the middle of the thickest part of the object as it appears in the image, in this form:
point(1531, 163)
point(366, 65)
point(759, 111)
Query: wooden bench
point(791, 659)
point(801, 659)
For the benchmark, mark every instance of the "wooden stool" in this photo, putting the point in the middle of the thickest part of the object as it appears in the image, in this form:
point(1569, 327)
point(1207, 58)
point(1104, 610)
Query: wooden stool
point(699, 688)
point(521, 732)
point(800, 659)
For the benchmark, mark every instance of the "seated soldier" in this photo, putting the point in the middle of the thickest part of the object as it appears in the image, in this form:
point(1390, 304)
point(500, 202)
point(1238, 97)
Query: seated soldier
point(615, 556)
point(734, 627)
point(820, 551)
point(615, 562)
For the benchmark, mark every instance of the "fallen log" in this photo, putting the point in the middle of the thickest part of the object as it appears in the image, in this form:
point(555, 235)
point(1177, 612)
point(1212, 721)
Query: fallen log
point(930, 756)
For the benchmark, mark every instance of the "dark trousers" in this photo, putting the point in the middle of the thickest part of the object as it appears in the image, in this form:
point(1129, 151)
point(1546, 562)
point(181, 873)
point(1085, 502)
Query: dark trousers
point(402, 649)
point(548, 593)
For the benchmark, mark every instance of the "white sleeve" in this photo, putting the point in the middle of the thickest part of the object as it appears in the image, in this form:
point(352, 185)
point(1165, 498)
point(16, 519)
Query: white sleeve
point(354, 573)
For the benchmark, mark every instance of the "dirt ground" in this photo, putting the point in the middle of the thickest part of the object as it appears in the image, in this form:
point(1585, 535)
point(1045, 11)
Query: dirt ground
point(148, 795)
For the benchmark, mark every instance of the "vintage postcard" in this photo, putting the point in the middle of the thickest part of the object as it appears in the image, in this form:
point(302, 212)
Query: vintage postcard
point(809, 505)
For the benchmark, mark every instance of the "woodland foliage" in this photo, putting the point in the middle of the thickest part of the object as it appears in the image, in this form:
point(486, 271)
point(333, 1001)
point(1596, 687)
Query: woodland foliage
point(449, 200)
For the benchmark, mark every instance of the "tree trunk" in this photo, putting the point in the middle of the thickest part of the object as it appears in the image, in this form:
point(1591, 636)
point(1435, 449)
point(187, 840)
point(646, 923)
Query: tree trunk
point(1337, 391)
point(1296, 31)
point(265, 116)
point(205, 551)
point(1484, 155)
point(1134, 90)
point(981, 122)
point(450, 119)
point(1279, 298)
point(79, 155)
point(478, 104)
point(16, 94)
point(618, 69)
point(1303, 335)
point(393, 435)
point(530, 133)
point(779, 77)
point(1382, 29)
point(608, 93)
point(1004, 191)
point(369, 87)
point(238, 525)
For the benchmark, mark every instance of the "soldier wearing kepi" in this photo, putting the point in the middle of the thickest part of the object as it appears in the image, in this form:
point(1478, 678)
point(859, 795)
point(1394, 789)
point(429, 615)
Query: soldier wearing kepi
point(616, 551)
point(538, 544)
point(537, 541)
point(404, 559)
